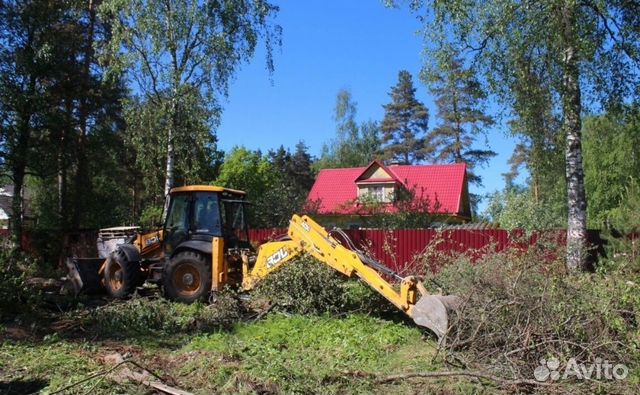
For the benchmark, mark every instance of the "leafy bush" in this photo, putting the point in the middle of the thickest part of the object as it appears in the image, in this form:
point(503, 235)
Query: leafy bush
point(306, 286)
point(413, 210)
point(15, 295)
point(623, 233)
point(141, 315)
point(518, 309)
point(303, 286)
point(518, 209)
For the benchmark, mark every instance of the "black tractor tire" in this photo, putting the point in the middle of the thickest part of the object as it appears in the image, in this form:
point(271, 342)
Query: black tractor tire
point(187, 277)
point(121, 276)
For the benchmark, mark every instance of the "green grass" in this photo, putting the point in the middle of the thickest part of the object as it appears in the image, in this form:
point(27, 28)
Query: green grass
point(301, 354)
point(27, 367)
point(279, 355)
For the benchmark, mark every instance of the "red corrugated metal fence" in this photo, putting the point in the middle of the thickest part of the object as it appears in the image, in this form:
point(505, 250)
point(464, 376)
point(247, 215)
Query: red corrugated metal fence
point(398, 249)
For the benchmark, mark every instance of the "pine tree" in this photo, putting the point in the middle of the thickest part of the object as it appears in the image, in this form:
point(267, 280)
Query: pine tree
point(301, 170)
point(53, 100)
point(405, 124)
point(459, 97)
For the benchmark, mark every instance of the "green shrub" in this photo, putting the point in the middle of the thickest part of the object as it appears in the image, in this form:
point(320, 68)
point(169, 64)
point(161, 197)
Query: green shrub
point(306, 286)
point(15, 295)
point(303, 286)
point(623, 231)
point(141, 315)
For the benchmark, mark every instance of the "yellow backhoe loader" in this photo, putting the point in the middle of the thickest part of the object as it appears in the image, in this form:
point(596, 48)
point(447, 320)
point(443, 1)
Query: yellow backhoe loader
point(204, 246)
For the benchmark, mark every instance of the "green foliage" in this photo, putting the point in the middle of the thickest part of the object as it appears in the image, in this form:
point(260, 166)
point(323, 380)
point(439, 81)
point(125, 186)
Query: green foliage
point(246, 170)
point(405, 123)
point(623, 227)
point(91, 155)
point(194, 145)
point(549, 59)
point(517, 209)
point(303, 286)
point(294, 169)
point(626, 217)
point(611, 152)
point(541, 147)
point(108, 200)
point(306, 286)
point(251, 172)
point(15, 295)
point(151, 217)
point(411, 210)
point(355, 145)
point(459, 98)
point(293, 178)
point(181, 57)
point(277, 184)
point(140, 316)
point(517, 42)
point(51, 122)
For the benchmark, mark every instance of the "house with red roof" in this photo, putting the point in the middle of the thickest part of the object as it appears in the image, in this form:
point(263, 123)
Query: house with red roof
point(344, 197)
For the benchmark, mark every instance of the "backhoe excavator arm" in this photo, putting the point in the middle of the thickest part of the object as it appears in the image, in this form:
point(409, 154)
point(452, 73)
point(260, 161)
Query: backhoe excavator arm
point(308, 236)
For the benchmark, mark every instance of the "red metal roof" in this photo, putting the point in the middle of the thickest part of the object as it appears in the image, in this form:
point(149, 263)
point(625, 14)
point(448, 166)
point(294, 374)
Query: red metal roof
point(335, 189)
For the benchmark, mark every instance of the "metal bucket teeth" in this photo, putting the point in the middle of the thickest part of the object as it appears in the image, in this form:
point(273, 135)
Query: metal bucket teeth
point(432, 312)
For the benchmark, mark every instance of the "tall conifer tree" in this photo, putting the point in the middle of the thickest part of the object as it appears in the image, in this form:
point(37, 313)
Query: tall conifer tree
point(405, 124)
point(459, 99)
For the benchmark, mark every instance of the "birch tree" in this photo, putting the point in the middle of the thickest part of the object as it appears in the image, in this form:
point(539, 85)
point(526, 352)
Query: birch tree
point(588, 50)
point(173, 49)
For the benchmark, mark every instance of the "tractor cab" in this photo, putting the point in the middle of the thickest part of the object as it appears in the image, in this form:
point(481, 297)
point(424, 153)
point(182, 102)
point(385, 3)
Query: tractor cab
point(198, 250)
point(199, 213)
point(205, 235)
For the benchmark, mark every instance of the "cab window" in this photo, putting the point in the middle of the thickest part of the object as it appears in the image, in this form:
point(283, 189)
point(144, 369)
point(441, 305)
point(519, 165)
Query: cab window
point(177, 222)
point(178, 213)
point(235, 226)
point(206, 214)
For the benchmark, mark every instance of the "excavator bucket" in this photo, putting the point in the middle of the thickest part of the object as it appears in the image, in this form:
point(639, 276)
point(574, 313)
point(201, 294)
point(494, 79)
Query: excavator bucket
point(84, 274)
point(432, 312)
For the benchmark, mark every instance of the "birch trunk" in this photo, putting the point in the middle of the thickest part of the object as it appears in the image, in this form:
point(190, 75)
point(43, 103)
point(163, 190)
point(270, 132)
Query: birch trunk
point(572, 108)
point(170, 162)
point(169, 172)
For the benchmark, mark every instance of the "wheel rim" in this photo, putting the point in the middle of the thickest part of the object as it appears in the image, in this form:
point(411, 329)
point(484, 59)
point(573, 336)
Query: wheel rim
point(186, 280)
point(115, 275)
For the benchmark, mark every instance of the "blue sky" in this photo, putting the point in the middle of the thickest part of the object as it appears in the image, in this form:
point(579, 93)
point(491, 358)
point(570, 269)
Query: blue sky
point(329, 45)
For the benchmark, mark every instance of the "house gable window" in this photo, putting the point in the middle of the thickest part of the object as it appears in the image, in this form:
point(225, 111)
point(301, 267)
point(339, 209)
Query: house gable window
point(376, 183)
point(378, 193)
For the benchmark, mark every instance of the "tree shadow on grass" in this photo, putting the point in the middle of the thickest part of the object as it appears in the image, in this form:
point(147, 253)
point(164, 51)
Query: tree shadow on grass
point(19, 387)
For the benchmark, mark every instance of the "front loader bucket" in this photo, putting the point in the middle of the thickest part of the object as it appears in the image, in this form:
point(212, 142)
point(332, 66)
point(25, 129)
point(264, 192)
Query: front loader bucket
point(85, 274)
point(432, 312)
